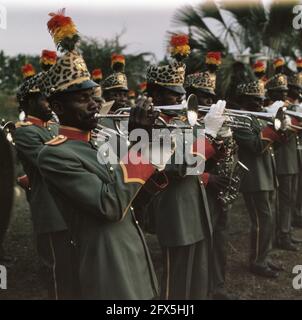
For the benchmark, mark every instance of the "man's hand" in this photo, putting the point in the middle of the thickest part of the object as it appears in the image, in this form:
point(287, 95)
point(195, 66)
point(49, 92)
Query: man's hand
point(224, 132)
point(142, 116)
point(214, 119)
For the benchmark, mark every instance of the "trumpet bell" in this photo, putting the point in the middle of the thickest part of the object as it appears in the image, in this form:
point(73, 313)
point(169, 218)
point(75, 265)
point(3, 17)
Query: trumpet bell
point(22, 116)
point(277, 121)
point(192, 109)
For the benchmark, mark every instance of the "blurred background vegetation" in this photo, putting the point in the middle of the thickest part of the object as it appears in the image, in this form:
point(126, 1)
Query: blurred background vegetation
point(244, 32)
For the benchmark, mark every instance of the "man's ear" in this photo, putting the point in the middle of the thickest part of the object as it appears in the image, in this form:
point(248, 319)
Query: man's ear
point(57, 106)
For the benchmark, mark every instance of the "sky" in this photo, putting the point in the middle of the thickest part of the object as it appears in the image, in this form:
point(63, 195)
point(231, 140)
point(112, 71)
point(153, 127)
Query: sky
point(145, 23)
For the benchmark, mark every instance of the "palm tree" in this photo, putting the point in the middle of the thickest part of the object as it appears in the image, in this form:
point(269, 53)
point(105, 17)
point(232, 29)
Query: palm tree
point(239, 31)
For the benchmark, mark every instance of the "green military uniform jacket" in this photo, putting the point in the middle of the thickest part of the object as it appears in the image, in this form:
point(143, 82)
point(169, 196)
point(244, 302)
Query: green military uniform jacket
point(299, 150)
point(95, 200)
point(29, 138)
point(181, 210)
point(257, 153)
point(286, 156)
point(298, 142)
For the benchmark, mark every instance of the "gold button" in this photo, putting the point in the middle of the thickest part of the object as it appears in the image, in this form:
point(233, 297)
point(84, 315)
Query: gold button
point(111, 169)
point(48, 128)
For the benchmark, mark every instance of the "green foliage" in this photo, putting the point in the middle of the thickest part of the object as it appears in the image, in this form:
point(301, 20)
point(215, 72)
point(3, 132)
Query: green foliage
point(232, 27)
point(10, 70)
point(96, 54)
point(8, 109)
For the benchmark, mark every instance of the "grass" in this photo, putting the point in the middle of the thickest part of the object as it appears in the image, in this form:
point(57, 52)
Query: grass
point(24, 281)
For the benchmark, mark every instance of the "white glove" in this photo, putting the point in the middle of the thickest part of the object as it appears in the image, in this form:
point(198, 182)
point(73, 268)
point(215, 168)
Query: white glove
point(159, 152)
point(273, 108)
point(214, 119)
point(224, 132)
point(286, 123)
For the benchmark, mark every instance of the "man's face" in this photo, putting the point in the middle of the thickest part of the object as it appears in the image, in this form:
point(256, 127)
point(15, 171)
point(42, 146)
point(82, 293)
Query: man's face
point(275, 95)
point(166, 97)
point(119, 96)
point(205, 99)
point(77, 109)
point(252, 103)
point(39, 107)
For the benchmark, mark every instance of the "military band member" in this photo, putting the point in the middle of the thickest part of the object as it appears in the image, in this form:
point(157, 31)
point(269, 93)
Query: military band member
point(294, 98)
point(203, 84)
point(286, 164)
point(182, 220)
point(94, 196)
point(115, 86)
point(48, 223)
point(7, 176)
point(259, 184)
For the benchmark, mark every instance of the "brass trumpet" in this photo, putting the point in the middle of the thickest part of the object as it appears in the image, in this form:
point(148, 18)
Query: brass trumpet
point(241, 118)
point(189, 109)
point(295, 114)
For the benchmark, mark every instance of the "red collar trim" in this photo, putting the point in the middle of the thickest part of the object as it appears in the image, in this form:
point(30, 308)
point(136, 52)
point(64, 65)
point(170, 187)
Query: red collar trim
point(291, 100)
point(74, 133)
point(36, 121)
point(166, 117)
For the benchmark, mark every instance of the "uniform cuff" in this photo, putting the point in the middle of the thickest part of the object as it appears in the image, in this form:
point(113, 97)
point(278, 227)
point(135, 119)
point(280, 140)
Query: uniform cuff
point(269, 134)
point(204, 148)
point(295, 122)
point(135, 169)
point(23, 181)
point(205, 178)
